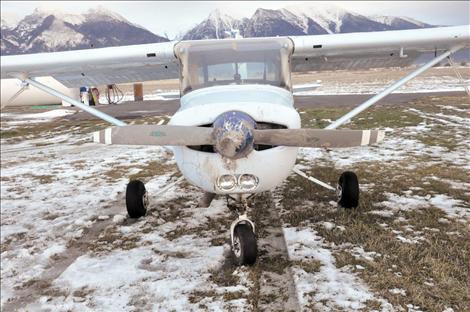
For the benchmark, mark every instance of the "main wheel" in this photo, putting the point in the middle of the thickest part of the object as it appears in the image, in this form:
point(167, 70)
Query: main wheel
point(244, 246)
point(348, 190)
point(136, 199)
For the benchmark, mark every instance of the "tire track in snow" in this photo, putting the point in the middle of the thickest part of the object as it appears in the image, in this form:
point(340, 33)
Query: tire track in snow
point(274, 286)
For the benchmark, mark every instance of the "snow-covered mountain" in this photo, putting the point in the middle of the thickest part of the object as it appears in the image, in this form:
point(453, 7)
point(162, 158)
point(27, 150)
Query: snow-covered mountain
point(215, 26)
point(298, 20)
point(45, 31)
point(399, 22)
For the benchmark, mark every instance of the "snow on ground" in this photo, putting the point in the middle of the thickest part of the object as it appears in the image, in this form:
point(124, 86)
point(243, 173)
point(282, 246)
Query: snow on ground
point(456, 209)
point(21, 119)
point(81, 197)
point(66, 203)
point(420, 85)
point(64, 213)
point(331, 288)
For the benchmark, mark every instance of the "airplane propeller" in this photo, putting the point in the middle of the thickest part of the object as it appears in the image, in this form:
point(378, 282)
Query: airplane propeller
point(233, 135)
point(230, 144)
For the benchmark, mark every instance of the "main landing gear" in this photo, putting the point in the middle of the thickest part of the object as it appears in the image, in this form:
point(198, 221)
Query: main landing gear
point(243, 238)
point(136, 199)
point(347, 188)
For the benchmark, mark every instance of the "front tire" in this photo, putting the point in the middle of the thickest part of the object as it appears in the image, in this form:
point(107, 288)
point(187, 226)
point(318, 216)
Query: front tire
point(348, 190)
point(136, 199)
point(245, 249)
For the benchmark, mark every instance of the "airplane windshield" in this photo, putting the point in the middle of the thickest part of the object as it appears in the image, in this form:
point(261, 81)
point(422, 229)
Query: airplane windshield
point(231, 61)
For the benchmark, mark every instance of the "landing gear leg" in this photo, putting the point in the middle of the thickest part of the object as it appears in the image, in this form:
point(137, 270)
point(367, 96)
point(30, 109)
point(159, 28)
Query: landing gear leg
point(243, 238)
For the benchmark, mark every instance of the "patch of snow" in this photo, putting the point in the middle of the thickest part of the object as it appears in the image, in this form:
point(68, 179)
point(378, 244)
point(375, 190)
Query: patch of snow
point(359, 253)
point(38, 117)
point(453, 207)
point(404, 203)
point(7, 230)
point(397, 291)
point(383, 213)
point(328, 225)
point(331, 288)
point(119, 219)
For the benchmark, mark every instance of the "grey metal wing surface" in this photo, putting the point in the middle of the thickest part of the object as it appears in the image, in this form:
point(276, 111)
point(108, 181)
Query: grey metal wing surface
point(97, 66)
point(351, 51)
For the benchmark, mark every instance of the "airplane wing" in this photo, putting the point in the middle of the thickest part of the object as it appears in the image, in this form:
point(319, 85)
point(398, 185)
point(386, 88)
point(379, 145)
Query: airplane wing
point(157, 61)
point(95, 67)
point(350, 51)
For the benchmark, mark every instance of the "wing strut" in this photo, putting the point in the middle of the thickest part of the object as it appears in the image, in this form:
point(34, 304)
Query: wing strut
point(391, 88)
point(459, 76)
point(74, 102)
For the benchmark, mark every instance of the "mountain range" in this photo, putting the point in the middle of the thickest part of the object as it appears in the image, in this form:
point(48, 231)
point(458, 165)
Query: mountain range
point(297, 21)
point(46, 31)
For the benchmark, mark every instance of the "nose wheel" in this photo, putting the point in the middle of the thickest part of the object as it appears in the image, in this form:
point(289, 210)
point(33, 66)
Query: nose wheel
point(244, 246)
point(136, 199)
point(243, 237)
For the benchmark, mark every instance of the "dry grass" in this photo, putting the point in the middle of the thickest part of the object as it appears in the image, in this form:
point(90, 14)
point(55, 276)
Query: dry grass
point(147, 171)
point(434, 271)
point(50, 129)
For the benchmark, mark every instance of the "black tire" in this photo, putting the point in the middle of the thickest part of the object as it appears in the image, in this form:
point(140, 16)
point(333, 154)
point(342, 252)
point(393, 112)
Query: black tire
point(136, 203)
point(248, 249)
point(348, 190)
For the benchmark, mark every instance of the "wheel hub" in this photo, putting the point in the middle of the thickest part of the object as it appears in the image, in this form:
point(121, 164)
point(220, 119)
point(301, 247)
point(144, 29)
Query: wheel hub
point(236, 246)
point(339, 191)
point(145, 200)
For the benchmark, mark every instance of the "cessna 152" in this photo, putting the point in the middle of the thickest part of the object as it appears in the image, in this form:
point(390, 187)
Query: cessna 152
point(236, 132)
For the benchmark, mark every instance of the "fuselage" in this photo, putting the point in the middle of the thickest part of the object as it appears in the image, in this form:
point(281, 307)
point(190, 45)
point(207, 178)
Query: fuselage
point(234, 86)
point(269, 106)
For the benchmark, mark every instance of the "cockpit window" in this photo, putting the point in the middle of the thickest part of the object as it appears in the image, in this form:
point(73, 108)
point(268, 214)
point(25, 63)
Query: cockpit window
point(231, 61)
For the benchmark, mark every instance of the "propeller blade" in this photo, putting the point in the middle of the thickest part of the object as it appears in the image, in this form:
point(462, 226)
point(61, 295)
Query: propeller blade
point(155, 135)
point(317, 137)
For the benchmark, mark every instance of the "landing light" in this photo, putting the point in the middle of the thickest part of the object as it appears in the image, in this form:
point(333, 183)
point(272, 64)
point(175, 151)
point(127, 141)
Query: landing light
point(247, 182)
point(244, 182)
point(226, 182)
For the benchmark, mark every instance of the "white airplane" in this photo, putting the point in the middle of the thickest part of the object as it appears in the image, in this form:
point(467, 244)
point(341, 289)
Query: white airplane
point(237, 132)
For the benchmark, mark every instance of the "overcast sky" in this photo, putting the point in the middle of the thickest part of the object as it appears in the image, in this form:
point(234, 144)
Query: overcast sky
point(174, 17)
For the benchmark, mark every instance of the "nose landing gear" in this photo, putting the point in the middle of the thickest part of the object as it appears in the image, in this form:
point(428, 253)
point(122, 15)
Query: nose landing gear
point(243, 238)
